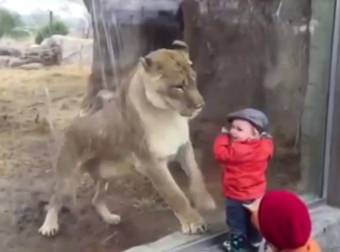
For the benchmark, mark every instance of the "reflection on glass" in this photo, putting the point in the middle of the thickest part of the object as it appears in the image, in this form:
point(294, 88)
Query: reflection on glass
point(271, 55)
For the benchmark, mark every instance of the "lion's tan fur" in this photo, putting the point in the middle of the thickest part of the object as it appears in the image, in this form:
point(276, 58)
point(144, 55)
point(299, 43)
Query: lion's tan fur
point(144, 125)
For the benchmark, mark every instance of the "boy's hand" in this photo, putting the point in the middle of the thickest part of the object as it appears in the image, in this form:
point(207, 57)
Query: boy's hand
point(224, 130)
point(266, 135)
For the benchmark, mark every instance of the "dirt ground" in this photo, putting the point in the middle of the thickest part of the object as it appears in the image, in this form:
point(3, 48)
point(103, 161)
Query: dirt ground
point(29, 100)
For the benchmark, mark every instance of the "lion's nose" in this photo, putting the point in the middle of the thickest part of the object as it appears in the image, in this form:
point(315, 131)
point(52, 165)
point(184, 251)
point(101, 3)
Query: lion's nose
point(199, 105)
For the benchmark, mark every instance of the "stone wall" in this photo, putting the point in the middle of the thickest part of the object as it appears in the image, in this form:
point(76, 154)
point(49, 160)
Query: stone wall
point(251, 53)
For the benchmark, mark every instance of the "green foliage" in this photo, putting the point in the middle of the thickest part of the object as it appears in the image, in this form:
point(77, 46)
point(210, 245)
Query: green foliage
point(57, 27)
point(20, 32)
point(9, 21)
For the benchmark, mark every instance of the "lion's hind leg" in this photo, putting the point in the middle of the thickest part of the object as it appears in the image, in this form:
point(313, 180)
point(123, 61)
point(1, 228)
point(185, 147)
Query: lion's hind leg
point(65, 187)
point(98, 200)
point(101, 207)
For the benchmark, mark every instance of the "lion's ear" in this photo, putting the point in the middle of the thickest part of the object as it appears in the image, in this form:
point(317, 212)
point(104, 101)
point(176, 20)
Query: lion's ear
point(180, 45)
point(146, 62)
point(183, 48)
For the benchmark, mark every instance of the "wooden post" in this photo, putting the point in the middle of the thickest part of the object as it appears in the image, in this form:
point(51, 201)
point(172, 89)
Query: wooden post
point(50, 21)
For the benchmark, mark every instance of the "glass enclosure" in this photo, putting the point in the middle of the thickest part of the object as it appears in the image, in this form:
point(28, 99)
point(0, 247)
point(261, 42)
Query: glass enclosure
point(272, 55)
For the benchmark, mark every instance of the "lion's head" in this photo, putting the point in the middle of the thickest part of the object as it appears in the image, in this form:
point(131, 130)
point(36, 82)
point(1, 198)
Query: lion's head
point(171, 81)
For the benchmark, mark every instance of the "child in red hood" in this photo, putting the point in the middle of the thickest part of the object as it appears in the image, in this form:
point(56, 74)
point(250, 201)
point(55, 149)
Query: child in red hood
point(284, 221)
point(243, 151)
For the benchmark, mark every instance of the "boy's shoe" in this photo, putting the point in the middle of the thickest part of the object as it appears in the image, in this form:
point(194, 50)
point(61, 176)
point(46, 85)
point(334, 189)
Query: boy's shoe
point(254, 247)
point(235, 243)
point(226, 245)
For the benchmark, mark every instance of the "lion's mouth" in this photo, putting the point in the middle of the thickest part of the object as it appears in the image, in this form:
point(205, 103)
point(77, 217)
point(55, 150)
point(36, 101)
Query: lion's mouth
point(192, 113)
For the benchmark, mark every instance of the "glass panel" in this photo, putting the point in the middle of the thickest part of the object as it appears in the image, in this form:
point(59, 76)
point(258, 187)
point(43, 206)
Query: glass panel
point(271, 55)
point(280, 66)
point(315, 104)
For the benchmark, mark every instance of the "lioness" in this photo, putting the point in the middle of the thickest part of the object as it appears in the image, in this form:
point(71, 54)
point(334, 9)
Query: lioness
point(144, 125)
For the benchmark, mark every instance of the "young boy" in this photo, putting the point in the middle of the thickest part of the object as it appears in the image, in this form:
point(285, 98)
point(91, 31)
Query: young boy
point(243, 151)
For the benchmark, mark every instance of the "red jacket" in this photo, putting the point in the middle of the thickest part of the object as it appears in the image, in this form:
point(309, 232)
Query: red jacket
point(245, 165)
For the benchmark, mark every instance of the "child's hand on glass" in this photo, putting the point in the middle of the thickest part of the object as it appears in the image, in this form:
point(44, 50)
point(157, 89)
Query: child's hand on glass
point(224, 130)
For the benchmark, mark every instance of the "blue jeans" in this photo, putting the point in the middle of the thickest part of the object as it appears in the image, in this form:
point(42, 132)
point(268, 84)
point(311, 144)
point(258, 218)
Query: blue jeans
point(239, 221)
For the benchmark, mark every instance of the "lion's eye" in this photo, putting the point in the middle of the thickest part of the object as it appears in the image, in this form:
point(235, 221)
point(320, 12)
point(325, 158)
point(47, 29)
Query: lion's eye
point(179, 87)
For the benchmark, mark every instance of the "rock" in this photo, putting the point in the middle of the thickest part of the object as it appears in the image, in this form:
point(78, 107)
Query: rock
point(75, 50)
point(39, 55)
point(15, 62)
point(47, 54)
point(31, 66)
point(8, 51)
point(4, 61)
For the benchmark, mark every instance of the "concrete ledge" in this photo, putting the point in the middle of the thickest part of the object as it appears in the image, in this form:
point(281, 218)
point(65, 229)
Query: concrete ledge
point(176, 241)
point(326, 229)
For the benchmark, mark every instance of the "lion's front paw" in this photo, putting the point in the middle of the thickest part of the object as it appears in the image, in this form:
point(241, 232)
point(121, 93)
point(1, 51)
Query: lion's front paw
point(193, 224)
point(194, 228)
point(49, 229)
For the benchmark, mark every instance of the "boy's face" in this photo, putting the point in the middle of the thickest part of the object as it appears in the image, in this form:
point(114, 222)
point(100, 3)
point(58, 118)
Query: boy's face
point(242, 130)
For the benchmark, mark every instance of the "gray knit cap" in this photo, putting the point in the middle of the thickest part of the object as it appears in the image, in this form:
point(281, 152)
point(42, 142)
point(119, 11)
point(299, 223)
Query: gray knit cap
point(254, 116)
